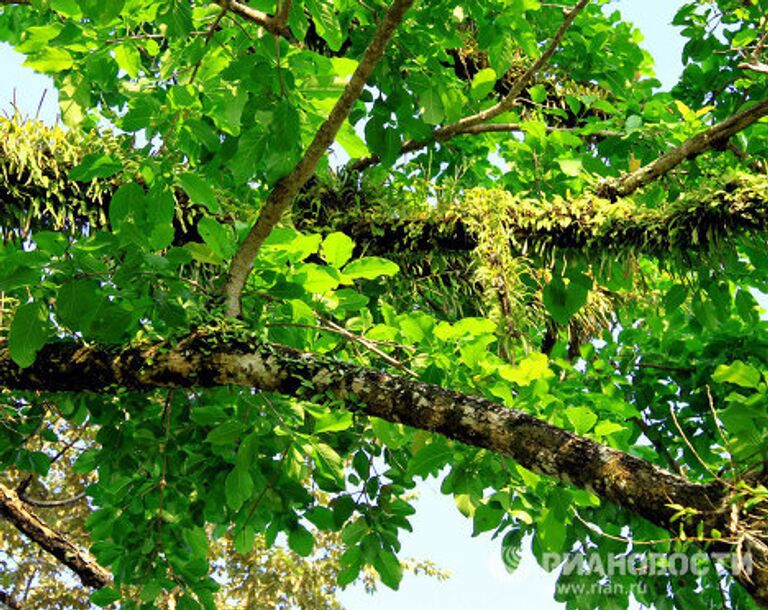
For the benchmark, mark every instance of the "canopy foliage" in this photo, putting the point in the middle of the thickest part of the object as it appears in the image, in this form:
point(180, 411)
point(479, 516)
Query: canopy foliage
point(330, 248)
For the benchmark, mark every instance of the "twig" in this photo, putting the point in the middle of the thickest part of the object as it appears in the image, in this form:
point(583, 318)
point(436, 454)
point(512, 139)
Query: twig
point(283, 192)
point(659, 445)
point(53, 503)
point(693, 449)
point(271, 24)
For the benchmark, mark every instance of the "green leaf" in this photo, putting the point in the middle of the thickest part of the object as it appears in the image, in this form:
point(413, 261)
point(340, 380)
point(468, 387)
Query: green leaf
point(337, 249)
point(50, 60)
point(128, 58)
point(483, 82)
point(564, 300)
point(388, 566)
point(738, 373)
point(199, 190)
point(29, 332)
point(370, 267)
point(95, 165)
point(103, 597)
point(335, 421)
point(301, 541)
point(219, 238)
point(487, 517)
point(582, 418)
point(533, 367)
point(224, 434)
point(238, 487)
point(430, 459)
point(570, 167)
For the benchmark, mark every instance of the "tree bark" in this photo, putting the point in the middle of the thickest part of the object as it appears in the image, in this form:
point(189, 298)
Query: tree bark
point(202, 361)
point(12, 509)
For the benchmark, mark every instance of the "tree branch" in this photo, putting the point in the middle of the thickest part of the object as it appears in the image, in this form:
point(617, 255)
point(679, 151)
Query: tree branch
point(272, 24)
point(53, 503)
point(211, 361)
point(713, 138)
point(591, 226)
point(466, 124)
point(218, 360)
point(33, 527)
point(6, 598)
point(282, 194)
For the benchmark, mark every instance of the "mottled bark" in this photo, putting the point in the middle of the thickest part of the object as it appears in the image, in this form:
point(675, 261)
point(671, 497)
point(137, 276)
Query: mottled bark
point(12, 509)
point(282, 194)
point(211, 360)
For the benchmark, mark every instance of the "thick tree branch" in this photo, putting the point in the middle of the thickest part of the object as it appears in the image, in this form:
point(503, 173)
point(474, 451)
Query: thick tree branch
point(713, 138)
point(33, 527)
point(282, 194)
point(212, 360)
point(588, 225)
point(466, 124)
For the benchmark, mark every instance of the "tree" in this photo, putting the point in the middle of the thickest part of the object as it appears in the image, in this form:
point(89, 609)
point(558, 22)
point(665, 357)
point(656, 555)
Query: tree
point(536, 275)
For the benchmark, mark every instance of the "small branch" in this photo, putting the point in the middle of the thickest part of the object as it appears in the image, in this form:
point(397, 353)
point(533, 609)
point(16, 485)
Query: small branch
point(53, 503)
point(659, 445)
point(713, 138)
point(283, 192)
point(33, 527)
point(757, 66)
point(465, 124)
point(268, 22)
point(517, 127)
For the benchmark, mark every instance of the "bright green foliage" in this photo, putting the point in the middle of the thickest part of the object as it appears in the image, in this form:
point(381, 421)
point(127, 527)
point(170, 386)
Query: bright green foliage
point(599, 317)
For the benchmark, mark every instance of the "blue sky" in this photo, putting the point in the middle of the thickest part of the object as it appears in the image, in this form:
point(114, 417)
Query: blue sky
point(441, 534)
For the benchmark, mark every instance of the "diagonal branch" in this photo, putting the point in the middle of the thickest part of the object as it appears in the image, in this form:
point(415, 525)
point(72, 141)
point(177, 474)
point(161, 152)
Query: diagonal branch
point(283, 192)
point(218, 360)
point(213, 360)
point(33, 527)
point(714, 138)
point(468, 123)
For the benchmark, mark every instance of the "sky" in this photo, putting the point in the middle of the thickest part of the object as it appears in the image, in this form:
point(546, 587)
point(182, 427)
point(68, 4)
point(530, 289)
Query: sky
point(440, 533)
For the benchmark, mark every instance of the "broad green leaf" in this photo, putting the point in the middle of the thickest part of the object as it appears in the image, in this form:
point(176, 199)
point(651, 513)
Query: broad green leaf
point(199, 190)
point(238, 487)
point(582, 418)
point(337, 249)
point(50, 60)
point(336, 421)
point(483, 82)
point(29, 331)
point(370, 267)
point(96, 166)
point(388, 566)
point(533, 367)
point(301, 541)
point(104, 597)
point(562, 299)
point(737, 373)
